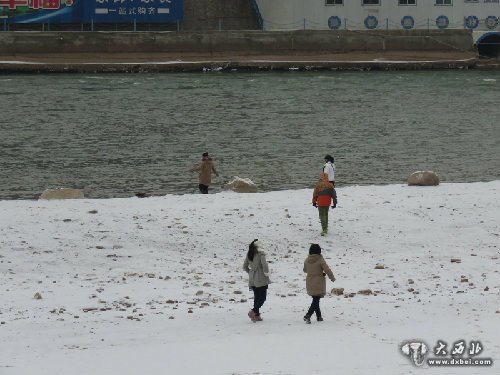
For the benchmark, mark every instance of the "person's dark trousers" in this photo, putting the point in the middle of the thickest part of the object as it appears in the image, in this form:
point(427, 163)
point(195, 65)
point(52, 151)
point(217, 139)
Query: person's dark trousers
point(314, 307)
point(259, 297)
point(203, 188)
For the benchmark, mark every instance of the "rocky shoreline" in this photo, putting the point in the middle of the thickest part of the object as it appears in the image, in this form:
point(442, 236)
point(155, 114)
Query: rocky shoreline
point(171, 63)
point(229, 66)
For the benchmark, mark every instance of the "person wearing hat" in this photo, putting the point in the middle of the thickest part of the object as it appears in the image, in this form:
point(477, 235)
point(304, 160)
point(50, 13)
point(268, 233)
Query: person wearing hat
point(205, 170)
point(316, 268)
point(329, 169)
point(256, 266)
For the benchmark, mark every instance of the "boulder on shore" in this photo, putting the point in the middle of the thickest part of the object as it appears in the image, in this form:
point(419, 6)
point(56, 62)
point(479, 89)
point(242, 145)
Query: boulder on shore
point(423, 178)
point(338, 291)
point(50, 194)
point(241, 185)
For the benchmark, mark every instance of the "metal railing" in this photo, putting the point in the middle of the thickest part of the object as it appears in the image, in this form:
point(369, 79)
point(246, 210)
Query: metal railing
point(205, 24)
point(91, 26)
point(374, 23)
point(250, 23)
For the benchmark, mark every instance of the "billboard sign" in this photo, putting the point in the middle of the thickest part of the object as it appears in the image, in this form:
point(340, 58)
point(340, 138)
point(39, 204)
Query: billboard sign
point(41, 11)
point(86, 11)
point(130, 10)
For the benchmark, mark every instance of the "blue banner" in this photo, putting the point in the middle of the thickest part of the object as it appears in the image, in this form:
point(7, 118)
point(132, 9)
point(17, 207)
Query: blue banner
point(86, 11)
point(130, 10)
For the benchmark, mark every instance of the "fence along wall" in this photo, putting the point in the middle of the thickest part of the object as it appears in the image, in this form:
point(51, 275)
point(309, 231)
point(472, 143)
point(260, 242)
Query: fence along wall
point(388, 14)
point(236, 43)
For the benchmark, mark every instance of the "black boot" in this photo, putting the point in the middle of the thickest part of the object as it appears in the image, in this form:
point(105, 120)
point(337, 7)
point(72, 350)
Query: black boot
point(319, 318)
point(307, 319)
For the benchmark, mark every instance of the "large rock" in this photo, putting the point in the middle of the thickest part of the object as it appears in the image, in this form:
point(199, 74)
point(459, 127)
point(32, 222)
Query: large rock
point(241, 185)
point(50, 194)
point(338, 291)
point(423, 178)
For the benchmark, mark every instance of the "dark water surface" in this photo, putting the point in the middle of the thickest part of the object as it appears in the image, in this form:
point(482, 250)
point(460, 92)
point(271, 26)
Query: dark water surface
point(115, 135)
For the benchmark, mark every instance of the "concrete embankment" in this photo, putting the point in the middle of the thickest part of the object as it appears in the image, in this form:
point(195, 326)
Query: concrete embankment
point(243, 50)
point(230, 65)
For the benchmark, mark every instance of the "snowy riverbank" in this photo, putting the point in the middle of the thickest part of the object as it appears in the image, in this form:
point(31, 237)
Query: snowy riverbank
point(119, 277)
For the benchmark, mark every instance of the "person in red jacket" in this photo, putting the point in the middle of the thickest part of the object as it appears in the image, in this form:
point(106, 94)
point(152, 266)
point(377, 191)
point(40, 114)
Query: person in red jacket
point(324, 194)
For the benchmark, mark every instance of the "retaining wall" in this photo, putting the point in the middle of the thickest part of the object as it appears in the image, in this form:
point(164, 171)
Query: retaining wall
point(235, 42)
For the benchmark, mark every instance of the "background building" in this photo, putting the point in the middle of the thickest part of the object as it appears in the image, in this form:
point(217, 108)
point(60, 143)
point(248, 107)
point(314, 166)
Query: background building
point(480, 16)
point(380, 14)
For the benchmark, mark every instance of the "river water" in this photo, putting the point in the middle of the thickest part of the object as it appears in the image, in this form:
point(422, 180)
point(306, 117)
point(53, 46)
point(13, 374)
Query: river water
point(116, 135)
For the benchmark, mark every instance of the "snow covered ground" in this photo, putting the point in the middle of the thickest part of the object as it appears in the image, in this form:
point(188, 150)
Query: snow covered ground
point(155, 285)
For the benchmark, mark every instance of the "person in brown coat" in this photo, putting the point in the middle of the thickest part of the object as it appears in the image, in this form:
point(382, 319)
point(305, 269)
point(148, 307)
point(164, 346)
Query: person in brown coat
point(205, 169)
point(316, 268)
